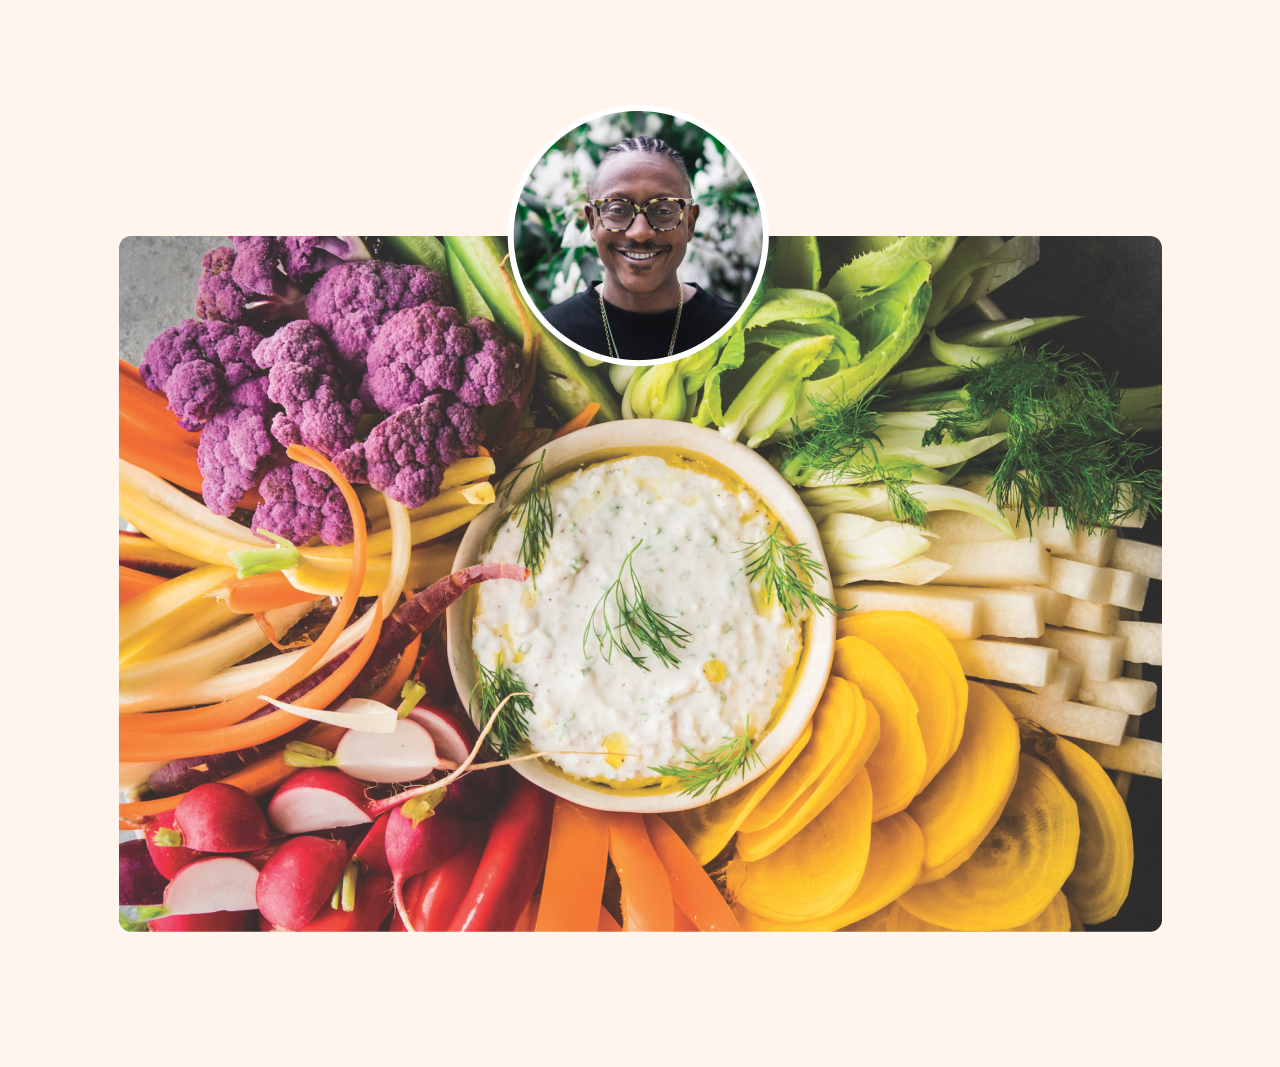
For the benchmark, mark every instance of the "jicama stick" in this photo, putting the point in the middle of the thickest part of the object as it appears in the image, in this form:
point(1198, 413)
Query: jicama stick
point(1065, 717)
point(1134, 755)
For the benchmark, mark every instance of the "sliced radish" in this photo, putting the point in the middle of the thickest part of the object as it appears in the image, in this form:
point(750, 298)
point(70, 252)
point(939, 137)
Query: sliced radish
point(403, 756)
point(452, 739)
point(217, 883)
point(212, 922)
point(318, 798)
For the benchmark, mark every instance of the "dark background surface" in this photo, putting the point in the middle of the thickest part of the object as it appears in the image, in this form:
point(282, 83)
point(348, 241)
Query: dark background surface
point(1114, 282)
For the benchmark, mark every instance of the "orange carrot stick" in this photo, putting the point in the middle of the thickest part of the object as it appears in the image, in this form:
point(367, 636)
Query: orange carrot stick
point(389, 691)
point(256, 779)
point(683, 924)
point(256, 731)
point(607, 925)
point(579, 421)
point(576, 860)
point(691, 887)
point(262, 592)
point(134, 582)
point(213, 716)
point(150, 408)
point(162, 457)
point(646, 891)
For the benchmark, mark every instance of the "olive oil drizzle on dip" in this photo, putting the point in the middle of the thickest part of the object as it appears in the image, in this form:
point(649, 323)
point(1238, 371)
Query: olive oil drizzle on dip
point(618, 720)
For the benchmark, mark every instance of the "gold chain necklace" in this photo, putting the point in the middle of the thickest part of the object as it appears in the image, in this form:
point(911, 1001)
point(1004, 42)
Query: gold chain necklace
point(608, 333)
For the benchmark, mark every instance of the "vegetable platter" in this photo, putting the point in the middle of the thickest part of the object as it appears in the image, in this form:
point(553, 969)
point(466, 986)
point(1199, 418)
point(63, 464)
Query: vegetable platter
point(300, 460)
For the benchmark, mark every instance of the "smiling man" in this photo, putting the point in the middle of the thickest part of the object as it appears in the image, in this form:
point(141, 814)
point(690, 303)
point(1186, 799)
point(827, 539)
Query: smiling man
point(641, 216)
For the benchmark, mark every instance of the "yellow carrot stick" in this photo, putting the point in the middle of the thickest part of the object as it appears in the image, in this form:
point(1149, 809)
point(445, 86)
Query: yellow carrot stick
point(427, 529)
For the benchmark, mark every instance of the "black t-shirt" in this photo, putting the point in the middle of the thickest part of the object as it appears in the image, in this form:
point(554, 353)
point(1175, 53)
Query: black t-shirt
point(637, 335)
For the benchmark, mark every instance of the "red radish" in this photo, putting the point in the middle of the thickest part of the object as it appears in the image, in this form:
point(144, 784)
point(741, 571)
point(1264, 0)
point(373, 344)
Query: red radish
point(169, 859)
point(372, 905)
point(140, 881)
point(372, 852)
point(215, 883)
point(211, 922)
point(477, 794)
point(431, 898)
point(318, 798)
point(514, 859)
point(416, 847)
point(434, 673)
point(299, 879)
point(221, 818)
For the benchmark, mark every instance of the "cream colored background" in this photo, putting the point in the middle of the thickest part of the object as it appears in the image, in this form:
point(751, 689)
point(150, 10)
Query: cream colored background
point(1089, 118)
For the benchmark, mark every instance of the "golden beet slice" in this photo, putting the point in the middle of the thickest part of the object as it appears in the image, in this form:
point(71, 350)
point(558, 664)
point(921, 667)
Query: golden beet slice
point(708, 828)
point(897, 765)
point(892, 863)
point(833, 722)
point(1055, 919)
point(838, 774)
point(817, 870)
point(961, 805)
point(1099, 882)
point(901, 639)
point(1019, 866)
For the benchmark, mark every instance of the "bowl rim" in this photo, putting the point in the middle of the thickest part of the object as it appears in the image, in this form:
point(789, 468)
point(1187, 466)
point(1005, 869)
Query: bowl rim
point(563, 456)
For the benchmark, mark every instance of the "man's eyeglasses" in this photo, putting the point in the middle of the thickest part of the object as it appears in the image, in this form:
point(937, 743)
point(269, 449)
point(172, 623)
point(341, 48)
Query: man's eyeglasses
point(663, 212)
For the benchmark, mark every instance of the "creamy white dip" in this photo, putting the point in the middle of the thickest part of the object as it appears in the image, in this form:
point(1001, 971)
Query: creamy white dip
point(621, 718)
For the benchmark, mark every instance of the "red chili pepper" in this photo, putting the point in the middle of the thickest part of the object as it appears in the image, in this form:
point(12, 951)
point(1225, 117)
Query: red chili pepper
point(432, 897)
point(513, 862)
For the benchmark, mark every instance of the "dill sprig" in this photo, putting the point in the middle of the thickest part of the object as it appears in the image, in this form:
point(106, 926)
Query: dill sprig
point(841, 444)
point(787, 572)
point(511, 727)
point(735, 755)
point(533, 514)
point(1068, 446)
point(633, 623)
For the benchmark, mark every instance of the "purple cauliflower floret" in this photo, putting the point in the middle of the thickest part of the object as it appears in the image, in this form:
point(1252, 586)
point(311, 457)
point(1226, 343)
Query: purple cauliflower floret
point(297, 342)
point(241, 285)
point(317, 412)
point(299, 503)
point(233, 444)
point(431, 349)
point(303, 256)
point(198, 364)
point(492, 373)
point(351, 301)
point(417, 352)
point(406, 455)
point(255, 265)
point(218, 297)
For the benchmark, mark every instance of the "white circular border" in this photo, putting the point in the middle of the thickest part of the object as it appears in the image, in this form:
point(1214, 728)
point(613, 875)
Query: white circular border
point(511, 238)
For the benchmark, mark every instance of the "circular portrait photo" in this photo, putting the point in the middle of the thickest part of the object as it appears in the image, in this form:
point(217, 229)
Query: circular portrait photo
point(637, 237)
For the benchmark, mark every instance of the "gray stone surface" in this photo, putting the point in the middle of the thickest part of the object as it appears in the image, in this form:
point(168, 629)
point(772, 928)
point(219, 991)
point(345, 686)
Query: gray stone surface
point(158, 277)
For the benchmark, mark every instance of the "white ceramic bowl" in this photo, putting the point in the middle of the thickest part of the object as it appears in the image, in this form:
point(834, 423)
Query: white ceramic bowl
point(584, 447)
